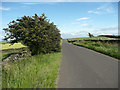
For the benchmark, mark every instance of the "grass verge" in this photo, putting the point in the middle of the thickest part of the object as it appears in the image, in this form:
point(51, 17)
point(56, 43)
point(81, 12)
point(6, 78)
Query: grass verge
point(39, 71)
point(110, 49)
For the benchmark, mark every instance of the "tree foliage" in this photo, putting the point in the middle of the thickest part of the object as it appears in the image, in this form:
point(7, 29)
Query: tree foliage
point(90, 35)
point(36, 32)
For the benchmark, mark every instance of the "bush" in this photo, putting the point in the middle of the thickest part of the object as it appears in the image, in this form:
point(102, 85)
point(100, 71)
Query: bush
point(36, 32)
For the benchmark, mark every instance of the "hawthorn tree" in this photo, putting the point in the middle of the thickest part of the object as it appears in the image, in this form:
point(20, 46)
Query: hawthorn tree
point(90, 35)
point(36, 32)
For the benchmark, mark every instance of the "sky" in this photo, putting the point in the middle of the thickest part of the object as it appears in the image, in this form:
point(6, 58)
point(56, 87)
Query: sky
point(73, 19)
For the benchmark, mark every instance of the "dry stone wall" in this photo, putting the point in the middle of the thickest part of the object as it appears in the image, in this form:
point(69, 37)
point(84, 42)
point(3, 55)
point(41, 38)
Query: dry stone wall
point(18, 56)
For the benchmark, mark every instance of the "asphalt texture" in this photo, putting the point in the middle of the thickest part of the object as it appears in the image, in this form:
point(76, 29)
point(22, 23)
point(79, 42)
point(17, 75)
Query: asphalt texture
point(84, 68)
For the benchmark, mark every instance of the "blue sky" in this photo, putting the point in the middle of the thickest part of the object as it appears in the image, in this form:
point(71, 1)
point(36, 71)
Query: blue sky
point(73, 19)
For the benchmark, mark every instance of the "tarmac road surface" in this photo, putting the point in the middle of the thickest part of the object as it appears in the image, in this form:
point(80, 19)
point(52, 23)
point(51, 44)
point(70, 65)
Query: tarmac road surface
point(84, 68)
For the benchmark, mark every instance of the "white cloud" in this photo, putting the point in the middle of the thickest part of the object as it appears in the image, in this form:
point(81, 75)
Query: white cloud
point(108, 7)
point(74, 35)
point(108, 30)
point(103, 9)
point(96, 12)
point(109, 10)
point(33, 3)
point(76, 23)
point(30, 3)
point(98, 8)
point(84, 24)
point(84, 18)
point(2, 8)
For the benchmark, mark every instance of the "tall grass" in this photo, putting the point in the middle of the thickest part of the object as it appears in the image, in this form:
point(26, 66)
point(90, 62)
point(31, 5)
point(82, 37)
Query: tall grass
point(39, 71)
point(110, 49)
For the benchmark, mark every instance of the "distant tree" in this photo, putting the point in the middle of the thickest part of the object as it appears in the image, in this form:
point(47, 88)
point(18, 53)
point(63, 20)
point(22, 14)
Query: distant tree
point(90, 35)
point(36, 32)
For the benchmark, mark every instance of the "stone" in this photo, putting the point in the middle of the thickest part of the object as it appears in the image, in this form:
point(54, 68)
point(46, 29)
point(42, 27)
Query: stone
point(18, 56)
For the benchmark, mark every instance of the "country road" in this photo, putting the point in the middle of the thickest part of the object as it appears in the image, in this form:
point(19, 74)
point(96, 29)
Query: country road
point(84, 68)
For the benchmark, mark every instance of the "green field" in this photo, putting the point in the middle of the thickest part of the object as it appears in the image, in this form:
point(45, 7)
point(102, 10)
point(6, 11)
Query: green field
point(4, 41)
point(110, 49)
point(88, 38)
point(8, 49)
point(39, 71)
point(14, 46)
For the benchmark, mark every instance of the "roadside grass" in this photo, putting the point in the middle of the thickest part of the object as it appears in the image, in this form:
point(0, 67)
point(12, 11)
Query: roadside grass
point(39, 71)
point(9, 46)
point(110, 49)
point(88, 38)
